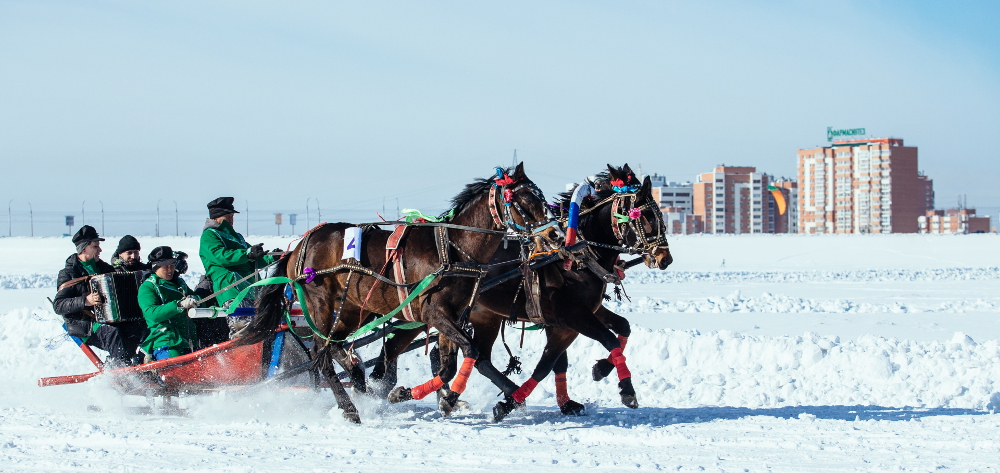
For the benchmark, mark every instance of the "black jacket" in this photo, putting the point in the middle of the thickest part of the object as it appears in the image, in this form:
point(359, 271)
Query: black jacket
point(71, 301)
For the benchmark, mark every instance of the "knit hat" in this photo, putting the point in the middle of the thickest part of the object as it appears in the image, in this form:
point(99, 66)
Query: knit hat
point(221, 206)
point(84, 236)
point(127, 243)
point(161, 256)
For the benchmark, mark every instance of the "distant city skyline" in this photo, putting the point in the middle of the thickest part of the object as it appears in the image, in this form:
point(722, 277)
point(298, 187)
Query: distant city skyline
point(355, 104)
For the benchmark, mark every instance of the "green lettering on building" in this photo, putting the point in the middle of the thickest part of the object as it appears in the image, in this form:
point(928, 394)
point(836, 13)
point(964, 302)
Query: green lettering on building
point(831, 133)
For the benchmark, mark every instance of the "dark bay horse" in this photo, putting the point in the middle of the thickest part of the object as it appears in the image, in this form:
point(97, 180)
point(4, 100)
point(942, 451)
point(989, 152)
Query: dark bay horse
point(571, 298)
point(340, 301)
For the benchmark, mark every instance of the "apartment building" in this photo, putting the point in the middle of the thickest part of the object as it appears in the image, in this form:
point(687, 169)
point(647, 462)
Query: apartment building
point(861, 186)
point(682, 222)
point(674, 194)
point(954, 221)
point(787, 222)
point(733, 199)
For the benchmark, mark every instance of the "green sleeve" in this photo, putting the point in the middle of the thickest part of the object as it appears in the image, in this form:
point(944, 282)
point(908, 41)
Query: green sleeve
point(213, 250)
point(152, 310)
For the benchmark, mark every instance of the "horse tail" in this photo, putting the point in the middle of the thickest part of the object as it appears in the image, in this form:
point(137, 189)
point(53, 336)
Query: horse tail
point(270, 308)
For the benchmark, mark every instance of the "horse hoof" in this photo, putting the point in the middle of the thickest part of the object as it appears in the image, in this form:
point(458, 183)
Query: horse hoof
point(504, 408)
point(573, 408)
point(447, 402)
point(602, 369)
point(353, 417)
point(400, 394)
point(627, 393)
point(630, 401)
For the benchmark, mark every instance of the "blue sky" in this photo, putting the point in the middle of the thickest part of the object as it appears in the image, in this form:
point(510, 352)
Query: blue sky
point(359, 103)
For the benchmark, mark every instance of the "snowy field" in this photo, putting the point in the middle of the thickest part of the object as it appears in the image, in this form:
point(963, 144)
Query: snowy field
point(750, 353)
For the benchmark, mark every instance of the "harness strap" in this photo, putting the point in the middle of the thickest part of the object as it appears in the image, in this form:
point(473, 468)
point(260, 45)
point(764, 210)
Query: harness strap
point(442, 241)
point(493, 207)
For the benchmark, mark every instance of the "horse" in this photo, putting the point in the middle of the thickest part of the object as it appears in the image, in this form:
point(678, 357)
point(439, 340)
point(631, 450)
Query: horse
point(450, 253)
point(571, 299)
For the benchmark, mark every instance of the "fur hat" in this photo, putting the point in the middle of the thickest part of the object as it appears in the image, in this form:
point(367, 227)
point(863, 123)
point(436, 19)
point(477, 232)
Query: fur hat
point(161, 256)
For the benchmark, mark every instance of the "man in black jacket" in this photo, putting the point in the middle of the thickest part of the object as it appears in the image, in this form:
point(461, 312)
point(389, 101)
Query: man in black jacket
point(127, 257)
point(74, 298)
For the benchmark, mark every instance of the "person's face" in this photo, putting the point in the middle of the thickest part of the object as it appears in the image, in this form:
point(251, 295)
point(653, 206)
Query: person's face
point(165, 272)
point(226, 218)
point(130, 257)
point(91, 251)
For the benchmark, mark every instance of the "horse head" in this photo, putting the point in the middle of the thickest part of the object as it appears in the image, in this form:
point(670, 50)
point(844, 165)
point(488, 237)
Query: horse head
point(638, 222)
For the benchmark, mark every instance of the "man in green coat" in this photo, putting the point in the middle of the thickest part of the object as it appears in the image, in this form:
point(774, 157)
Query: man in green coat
point(227, 257)
point(164, 301)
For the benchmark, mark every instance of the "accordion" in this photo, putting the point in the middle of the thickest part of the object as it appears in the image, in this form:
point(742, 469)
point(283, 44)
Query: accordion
point(119, 297)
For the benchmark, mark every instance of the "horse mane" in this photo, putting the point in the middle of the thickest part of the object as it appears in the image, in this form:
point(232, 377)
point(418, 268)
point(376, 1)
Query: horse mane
point(600, 182)
point(472, 191)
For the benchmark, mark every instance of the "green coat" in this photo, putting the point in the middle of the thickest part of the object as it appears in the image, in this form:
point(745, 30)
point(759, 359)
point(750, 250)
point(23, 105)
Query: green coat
point(223, 252)
point(169, 325)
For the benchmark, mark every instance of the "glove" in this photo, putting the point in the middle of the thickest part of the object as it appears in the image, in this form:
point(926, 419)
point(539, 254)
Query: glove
point(188, 303)
point(255, 252)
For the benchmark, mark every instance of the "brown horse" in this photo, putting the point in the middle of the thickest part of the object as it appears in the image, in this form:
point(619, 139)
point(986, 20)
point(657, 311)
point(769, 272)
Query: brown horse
point(571, 299)
point(340, 301)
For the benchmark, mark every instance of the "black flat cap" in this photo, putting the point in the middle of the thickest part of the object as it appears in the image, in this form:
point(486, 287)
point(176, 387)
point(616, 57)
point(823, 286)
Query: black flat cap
point(221, 206)
point(84, 236)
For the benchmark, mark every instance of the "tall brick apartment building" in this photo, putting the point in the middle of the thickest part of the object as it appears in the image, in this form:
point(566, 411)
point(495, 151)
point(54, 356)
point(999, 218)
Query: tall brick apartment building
point(733, 199)
point(862, 186)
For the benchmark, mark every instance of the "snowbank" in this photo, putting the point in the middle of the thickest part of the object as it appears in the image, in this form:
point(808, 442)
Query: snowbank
point(670, 368)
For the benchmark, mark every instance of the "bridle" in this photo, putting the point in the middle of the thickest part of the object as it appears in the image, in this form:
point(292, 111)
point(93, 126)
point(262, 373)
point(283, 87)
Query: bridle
point(626, 214)
point(504, 187)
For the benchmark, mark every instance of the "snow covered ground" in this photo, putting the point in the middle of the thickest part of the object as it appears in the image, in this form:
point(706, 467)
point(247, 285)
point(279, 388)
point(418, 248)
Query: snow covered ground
point(751, 353)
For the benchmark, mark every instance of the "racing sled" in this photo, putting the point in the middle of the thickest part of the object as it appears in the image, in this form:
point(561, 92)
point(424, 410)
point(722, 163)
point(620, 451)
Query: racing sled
point(281, 361)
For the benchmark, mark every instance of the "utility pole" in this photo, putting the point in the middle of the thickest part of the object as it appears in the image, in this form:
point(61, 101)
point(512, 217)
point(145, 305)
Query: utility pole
point(177, 225)
point(319, 213)
point(9, 224)
point(158, 217)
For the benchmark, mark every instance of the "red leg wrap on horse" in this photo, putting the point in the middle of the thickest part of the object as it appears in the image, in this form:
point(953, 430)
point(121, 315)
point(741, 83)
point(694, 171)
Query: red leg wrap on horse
point(562, 394)
point(463, 375)
point(622, 341)
point(619, 361)
point(524, 391)
point(420, 392)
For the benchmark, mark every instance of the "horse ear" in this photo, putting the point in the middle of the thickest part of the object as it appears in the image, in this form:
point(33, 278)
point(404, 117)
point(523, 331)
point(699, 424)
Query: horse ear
point(612, 172)
point(519, 172)
point(647, 186)
point(629, 174)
